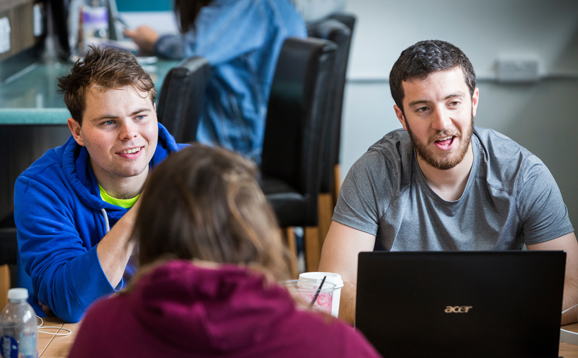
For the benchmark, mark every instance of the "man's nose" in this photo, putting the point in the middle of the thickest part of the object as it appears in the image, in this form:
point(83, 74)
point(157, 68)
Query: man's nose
point(441, 119)
point(128, 130)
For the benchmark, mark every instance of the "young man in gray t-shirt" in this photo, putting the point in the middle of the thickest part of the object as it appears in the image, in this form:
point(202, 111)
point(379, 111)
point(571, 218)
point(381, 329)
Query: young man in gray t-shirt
point(443, 184)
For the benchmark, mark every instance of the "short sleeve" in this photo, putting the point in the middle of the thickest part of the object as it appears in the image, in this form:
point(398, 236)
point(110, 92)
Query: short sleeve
point(364, 195)
point(540, 205)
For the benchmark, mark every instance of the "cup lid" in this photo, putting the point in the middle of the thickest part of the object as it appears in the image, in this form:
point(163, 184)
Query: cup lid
point(332, 277)
point(309, 285)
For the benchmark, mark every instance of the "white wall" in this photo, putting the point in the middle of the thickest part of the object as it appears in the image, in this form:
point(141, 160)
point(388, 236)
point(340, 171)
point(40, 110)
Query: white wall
point(541, 116)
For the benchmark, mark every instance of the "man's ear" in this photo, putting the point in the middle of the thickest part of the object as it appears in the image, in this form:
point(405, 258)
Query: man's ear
point(475, 99)
point(75, 129)
point(400, 116)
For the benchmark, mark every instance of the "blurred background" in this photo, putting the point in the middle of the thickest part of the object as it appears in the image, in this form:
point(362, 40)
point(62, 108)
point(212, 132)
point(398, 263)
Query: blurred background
point(538, 38)
point(525, 53)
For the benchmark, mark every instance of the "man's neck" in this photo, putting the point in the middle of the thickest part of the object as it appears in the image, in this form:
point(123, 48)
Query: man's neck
point(448, 184)
point(122, 188)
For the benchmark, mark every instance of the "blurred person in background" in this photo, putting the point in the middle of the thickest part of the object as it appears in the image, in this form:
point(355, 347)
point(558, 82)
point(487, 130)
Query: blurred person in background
point(210, 253)
point(241, 39)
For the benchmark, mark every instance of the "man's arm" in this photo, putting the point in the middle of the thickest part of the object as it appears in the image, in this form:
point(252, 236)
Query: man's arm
point(569, 244)
point(115, 248)
point(339, 255)
point(67, 274)
point(144, 36)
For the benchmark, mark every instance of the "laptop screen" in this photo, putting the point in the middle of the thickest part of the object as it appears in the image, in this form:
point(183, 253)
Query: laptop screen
point(461, 304)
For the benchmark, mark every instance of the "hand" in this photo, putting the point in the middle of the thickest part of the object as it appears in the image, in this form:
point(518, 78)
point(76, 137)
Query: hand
point(144, 37)
point(47, 311)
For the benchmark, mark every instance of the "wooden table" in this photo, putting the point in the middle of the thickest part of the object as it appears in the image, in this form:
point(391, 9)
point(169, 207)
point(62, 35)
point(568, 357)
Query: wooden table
point(50, 346)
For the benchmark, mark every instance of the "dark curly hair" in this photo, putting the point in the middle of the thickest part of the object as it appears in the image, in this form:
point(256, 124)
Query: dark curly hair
point(423, 58)
point(106, 68)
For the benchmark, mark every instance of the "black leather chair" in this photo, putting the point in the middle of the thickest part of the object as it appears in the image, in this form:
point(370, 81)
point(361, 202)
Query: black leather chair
point(181, 98)
point(333, 29)
point(296, 120)
point(8, 260)
point(349, 21)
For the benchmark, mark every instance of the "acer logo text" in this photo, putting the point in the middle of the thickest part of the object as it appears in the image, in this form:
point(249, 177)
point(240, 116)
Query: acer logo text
point(457, 309)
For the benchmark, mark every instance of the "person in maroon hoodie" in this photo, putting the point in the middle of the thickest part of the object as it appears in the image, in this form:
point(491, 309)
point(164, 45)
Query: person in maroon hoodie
point(211, 256)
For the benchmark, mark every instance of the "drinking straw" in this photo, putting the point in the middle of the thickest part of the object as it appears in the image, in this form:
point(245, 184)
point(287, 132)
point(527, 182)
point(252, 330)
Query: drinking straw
point(317, 293)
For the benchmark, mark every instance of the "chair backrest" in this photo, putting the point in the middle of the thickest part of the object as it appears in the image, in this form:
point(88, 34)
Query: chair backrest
point(337, 32)
point(296, 114)
point(349, 21)
point(181, 98)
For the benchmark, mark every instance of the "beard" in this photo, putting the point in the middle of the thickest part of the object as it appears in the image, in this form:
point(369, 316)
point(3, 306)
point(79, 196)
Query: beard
point(444, 161)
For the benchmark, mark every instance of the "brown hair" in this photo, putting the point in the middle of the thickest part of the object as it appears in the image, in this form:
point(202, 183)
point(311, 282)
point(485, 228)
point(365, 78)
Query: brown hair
point(205, 204)
point(107, 68)
point(187, 11)
point(423, 58)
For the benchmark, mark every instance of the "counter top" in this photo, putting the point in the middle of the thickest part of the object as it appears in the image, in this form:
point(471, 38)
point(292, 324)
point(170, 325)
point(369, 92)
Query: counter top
point(31, 96)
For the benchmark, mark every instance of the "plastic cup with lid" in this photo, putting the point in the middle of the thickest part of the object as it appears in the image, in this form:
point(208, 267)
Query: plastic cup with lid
point(309, 290)
point(333, 278)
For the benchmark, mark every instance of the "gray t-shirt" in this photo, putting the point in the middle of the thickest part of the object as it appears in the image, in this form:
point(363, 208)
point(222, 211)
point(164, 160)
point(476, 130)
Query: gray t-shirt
point(510, 199)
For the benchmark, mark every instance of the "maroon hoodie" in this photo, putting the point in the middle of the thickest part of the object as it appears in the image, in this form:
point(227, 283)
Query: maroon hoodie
point(183, 310)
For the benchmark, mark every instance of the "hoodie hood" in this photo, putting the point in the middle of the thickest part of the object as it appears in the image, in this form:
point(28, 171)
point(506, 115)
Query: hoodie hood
point(209, 309)
point(75, 163)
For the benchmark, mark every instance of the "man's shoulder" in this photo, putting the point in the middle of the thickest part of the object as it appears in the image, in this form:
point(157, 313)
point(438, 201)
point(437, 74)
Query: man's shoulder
point(388, 162)
point(279, 13)
point(48, 169)
point(50, 161)
point(487, 135)
point(508, 163)
point(394, 148)
point(261, 8)
point(501, 148)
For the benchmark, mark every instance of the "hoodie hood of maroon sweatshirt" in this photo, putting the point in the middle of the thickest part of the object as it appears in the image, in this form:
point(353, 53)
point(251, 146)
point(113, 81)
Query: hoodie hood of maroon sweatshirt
point(209, 310)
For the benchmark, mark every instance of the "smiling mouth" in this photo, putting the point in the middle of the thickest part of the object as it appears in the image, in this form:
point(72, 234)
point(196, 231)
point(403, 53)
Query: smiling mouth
point(131, 150)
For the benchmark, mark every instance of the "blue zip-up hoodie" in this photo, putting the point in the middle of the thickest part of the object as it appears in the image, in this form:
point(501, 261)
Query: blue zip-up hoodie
point(61, 218)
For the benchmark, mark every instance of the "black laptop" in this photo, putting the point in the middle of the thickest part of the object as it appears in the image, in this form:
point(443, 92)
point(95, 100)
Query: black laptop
point(461, 304)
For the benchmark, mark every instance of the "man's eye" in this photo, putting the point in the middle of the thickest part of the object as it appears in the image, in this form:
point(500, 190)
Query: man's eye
point(108, 123)
point(140, 117)
point(421, 109)
point(454, 103)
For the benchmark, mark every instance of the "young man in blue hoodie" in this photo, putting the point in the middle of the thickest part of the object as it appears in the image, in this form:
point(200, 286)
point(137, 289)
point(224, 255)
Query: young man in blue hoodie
point(75, 206)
